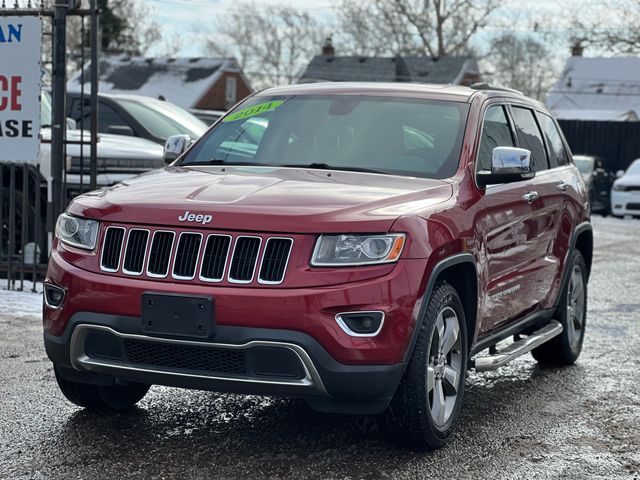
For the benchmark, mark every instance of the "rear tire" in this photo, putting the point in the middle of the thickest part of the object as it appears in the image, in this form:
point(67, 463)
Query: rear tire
point(425, 408)
point(565, 348)
point(100, 397)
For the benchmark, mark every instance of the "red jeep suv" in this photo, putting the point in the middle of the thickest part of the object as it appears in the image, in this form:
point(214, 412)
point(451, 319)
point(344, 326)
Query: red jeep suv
point(357, 245)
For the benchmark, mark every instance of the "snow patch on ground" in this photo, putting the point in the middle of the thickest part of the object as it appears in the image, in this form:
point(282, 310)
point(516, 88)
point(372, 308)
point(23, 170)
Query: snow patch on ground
point(21, 304)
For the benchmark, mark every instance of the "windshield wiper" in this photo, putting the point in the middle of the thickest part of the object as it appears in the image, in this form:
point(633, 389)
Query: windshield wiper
point(232, 163)
point(326, 166)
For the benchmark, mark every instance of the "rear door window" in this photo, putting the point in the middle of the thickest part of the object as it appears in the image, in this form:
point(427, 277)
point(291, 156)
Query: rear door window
point(495, 133)
point(529, 137)
point(557, 153)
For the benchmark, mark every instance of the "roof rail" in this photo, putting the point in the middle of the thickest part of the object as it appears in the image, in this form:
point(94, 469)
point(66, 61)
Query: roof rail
point(486, 86)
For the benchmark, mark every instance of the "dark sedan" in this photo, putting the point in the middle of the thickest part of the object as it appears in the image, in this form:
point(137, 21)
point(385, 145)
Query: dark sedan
point(598, 180)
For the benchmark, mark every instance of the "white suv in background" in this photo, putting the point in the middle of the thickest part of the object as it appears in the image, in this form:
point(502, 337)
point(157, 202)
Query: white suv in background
point(625, 195)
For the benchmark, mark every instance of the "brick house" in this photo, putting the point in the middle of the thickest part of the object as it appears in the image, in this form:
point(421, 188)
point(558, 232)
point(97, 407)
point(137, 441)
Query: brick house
point(192, 83)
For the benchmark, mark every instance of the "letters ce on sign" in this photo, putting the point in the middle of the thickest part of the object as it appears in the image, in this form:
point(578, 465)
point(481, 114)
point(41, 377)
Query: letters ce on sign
point(20, 73)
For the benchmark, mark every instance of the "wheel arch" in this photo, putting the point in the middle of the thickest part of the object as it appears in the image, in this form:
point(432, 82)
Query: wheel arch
point(584, 244)
point(461, 273)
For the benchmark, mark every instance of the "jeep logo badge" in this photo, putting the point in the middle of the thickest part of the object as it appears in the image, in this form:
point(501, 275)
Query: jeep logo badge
point(192, 217)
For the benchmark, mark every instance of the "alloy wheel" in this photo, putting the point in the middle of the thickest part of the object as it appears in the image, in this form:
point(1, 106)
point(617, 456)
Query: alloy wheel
point(444, 368)
point(575, 307)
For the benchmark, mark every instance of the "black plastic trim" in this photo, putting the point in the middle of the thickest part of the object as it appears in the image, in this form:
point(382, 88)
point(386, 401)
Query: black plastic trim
point(437, 269)
point(580, 228)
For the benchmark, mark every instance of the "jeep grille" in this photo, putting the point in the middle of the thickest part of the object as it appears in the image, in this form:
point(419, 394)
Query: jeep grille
point(188, 255)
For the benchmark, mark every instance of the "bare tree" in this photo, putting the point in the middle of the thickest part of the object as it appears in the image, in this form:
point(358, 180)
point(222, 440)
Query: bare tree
point(610, 28)
point(430, 27)
point(520, 61)
point(272, 44)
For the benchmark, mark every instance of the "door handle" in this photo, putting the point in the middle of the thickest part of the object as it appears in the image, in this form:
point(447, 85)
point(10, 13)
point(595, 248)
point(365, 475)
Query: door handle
point(530, 197)
point(562, 186)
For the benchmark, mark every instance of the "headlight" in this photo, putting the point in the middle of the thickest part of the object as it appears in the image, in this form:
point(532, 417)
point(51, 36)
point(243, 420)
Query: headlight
point(77, 232)
point(351, 249)
point(618, 187)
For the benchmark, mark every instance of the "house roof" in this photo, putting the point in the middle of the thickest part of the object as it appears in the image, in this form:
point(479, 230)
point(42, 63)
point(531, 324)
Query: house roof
point(182, 81)
point(606, 89)
point(413, 69)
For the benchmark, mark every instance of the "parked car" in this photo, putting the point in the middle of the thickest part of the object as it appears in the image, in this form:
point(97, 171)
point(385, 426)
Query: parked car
point(207, 116)
point(599, 182)
point(625, 196)
point(136, 116)
point(377, 241)
point(119, 157)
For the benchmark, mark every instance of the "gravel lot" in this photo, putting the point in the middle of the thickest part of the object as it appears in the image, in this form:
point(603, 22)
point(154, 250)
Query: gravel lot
point(518, 422)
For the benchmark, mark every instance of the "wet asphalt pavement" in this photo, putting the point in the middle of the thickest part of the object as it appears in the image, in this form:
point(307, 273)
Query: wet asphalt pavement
point(518, 422)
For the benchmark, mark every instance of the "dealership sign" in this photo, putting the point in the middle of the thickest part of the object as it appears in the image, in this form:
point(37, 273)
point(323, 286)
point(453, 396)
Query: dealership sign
point(20, 72)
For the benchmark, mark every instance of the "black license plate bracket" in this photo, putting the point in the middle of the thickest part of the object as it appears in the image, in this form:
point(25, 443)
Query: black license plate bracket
point(177, 315)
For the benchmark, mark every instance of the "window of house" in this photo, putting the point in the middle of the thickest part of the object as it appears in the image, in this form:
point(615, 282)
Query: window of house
point(230, 91)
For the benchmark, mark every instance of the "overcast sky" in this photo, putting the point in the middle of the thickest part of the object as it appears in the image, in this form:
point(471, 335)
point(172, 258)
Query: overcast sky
point(185, 15)
point(177, 15)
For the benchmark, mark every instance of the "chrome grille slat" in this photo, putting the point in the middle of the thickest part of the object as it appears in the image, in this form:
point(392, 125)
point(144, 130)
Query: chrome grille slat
point(244, 259)
point(112, 249)
point(214, 257)
point(187, 254)
point(135, 251)
point(160, 254)
point(275, 260)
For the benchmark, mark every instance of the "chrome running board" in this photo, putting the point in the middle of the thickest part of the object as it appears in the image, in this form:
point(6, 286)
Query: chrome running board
point(517, 348)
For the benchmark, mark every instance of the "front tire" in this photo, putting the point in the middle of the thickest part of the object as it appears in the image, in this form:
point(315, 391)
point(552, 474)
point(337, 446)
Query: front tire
point(565, 348)
point(425, 408)
point(100, 397)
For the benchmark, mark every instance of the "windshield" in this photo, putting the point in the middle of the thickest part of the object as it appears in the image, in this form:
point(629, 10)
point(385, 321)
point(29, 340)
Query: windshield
point(584, 164)
point(45, 109)
point(387, 135)
point(634, 168)
point(163, 119)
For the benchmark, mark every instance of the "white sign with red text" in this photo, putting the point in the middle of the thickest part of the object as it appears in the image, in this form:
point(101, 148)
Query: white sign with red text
point(20, 73)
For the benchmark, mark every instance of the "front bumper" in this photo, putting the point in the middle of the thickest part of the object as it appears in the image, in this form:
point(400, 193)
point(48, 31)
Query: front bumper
point(339, 372)
point(625, 203)
point(325, 383)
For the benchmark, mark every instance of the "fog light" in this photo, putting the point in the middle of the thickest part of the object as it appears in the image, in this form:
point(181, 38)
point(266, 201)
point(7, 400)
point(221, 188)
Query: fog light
point(361, 324)
point(53, 296)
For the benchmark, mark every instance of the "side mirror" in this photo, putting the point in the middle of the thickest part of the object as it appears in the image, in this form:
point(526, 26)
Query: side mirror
point(508, 164)
point(619, 173)
point(175, 146)
point(119, 130)
point(71, 124)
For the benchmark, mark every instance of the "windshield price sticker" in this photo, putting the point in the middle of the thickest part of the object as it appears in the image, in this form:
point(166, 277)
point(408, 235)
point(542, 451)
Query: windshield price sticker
point(253, 111)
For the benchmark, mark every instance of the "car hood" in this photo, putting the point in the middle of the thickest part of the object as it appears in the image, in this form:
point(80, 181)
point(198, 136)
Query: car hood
point(628, 180)
point(266, 199)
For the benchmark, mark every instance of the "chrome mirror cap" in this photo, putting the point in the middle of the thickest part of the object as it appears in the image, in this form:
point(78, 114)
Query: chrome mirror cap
point(175, 146)
point(508, 164)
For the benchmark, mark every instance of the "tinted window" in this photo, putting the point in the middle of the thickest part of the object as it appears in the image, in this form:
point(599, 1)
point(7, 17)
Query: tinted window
point(557, 154)
point(107, 116)
point(529, 137)
point(163, 119)
point(391, 135)
point(495, 133)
